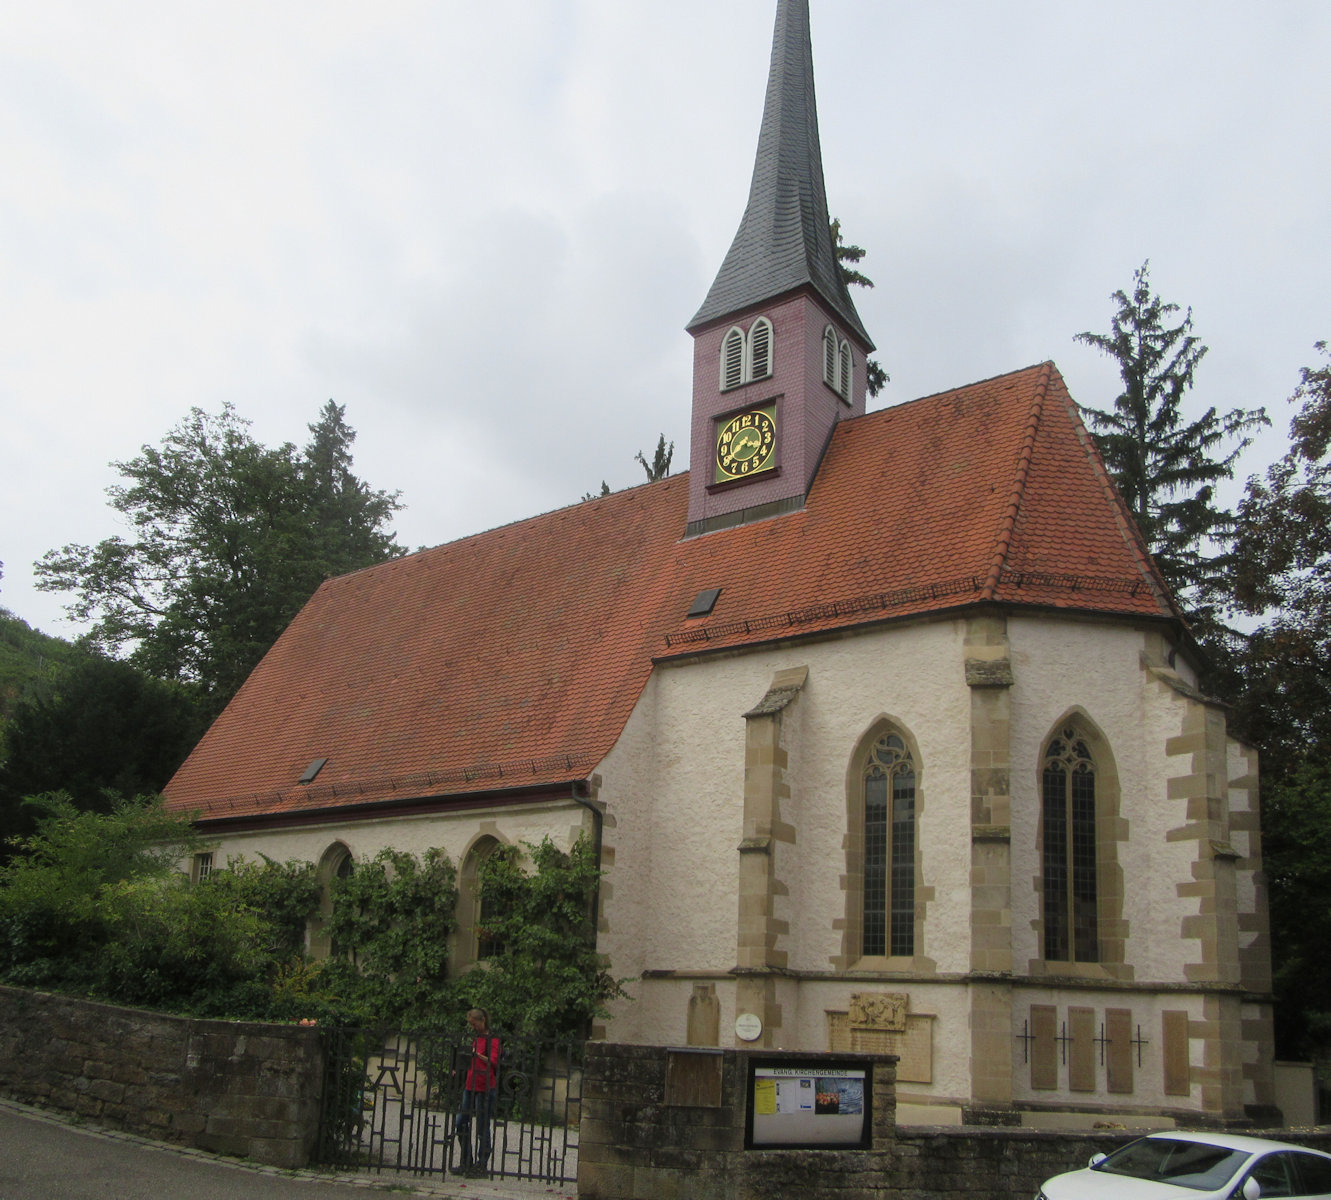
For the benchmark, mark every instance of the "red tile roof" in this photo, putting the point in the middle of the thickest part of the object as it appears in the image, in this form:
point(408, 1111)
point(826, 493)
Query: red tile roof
point(513, 658)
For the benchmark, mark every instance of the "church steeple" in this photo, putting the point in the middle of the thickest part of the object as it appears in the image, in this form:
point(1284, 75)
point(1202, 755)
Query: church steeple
point(784, 241)
point(779, 350)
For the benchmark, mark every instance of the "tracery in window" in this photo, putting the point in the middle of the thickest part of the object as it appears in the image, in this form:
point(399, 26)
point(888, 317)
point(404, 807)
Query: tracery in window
point(746, 357)
point(889, 849)
point(1069, 863)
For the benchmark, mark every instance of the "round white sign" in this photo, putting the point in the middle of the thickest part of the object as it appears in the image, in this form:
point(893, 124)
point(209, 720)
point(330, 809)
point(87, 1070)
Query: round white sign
point(748, 1027)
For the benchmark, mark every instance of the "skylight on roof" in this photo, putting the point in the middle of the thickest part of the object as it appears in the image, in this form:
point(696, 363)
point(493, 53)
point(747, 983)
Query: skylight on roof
point(705, 602)
point(312, 770)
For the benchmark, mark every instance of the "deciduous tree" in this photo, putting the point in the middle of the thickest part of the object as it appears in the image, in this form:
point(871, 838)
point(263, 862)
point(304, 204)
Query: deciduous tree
point(1282, 574)
point(228, 539)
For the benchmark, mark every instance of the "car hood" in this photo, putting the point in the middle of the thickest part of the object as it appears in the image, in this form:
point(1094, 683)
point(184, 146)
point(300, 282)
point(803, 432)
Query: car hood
point(1101, 1185)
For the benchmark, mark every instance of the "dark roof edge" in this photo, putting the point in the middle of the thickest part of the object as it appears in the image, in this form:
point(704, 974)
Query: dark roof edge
point(561, 791)
point(697, 650)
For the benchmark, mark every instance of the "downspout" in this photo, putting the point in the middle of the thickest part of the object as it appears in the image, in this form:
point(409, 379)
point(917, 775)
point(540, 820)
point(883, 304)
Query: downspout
point(576, 794)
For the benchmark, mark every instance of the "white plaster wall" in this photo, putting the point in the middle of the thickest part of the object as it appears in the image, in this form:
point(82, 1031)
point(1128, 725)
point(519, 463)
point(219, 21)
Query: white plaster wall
point(1061, 665)
point(679, 837)
point(627, 776)
point(915, 677)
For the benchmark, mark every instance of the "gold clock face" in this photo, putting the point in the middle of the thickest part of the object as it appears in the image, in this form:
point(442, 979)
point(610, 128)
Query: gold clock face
point(745, 445)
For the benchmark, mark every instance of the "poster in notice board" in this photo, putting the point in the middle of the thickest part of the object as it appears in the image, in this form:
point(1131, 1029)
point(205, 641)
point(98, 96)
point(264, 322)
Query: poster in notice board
point(814, 1103)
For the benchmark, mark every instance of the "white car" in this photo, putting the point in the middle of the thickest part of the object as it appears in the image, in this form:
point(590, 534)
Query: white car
point(1175, 1165)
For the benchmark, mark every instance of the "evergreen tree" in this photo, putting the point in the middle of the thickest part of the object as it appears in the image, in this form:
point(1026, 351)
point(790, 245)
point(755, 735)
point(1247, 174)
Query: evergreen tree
point(102, 727)
point(1165, 465)
point(848, 257)
point(659, 467)
point(230, 538)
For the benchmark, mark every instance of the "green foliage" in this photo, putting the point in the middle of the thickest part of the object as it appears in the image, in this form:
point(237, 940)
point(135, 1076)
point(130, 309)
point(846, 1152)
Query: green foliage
point(546, 976)
point(98, 727)
point(97, 904)
point(229, 540)
point(1283, 575)
point(390, 927)
point(285, 893)
point(1165, 465)
point(847, 257)
point(1296, 819)
point(659, 467)
point(54, 917)
point(29, 662)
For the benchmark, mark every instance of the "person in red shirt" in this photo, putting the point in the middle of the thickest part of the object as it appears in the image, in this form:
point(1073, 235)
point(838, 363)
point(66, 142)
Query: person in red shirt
point(478, 1092)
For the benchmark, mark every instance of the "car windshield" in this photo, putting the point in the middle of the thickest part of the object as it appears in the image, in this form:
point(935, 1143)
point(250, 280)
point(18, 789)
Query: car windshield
point(1195, 1165)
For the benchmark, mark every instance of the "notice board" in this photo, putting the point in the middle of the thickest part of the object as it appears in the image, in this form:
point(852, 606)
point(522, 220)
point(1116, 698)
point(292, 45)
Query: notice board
point(815, 1102)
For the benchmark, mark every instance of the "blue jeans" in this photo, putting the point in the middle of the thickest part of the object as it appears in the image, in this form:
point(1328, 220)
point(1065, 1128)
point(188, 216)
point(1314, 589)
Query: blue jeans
point(482, 1105)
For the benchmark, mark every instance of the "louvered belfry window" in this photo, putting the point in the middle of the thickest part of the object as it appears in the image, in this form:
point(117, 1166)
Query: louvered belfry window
point(746, 357)
point(838, 363)
point(889, 849)
point(760, 349)
point(732, 360)
point(1068, 855)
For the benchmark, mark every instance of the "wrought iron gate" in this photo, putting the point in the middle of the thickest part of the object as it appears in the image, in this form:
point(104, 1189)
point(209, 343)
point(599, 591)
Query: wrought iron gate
point(391, 1100)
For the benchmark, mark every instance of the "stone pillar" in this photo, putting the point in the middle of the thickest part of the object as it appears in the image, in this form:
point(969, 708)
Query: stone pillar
point(759, 954)
point(989, 676)
point(1214, 784)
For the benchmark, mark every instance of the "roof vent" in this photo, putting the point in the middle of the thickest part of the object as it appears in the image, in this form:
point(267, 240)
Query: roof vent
point(705, 602)
point(312, 770)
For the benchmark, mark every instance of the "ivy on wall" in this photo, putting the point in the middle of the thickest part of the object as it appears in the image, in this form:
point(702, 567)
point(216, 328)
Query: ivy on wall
point(95, 904)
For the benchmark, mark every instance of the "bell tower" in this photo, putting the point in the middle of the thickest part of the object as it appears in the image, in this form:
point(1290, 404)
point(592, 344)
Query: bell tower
point(778, 348)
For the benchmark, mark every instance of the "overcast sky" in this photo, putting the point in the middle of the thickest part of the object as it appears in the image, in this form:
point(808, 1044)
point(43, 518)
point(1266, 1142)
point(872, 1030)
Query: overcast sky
point(482, 227)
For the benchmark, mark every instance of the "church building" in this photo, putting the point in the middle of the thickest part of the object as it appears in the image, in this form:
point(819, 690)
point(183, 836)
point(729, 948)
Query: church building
point(884, 724)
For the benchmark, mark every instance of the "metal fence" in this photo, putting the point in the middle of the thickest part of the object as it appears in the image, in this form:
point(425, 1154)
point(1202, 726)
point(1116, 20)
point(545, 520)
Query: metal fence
point(391, 1102)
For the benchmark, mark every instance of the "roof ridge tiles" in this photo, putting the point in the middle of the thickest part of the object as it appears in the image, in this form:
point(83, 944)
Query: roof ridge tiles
point(1123, 517)
point(1009, 521)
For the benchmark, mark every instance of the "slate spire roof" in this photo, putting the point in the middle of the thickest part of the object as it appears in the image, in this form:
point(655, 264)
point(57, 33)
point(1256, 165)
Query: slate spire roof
point(784, 242)
point(512, 659)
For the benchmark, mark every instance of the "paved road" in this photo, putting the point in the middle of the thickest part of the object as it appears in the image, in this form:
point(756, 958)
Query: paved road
point(42, 1157)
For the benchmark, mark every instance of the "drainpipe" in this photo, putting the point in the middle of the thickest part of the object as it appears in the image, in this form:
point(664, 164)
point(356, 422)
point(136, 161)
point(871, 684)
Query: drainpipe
point(578, 796)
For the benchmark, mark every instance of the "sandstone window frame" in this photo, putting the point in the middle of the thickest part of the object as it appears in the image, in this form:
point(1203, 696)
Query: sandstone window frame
point(468, 944)
point(853, 925)
point(336, 862)
point(1110, 831)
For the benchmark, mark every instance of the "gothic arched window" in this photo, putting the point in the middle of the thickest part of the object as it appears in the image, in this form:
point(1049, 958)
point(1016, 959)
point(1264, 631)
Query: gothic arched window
point(889, 849)
point(1069, 863)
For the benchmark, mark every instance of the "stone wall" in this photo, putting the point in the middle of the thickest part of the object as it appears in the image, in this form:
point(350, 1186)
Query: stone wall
point(643, 1135)
point(231, 1087)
